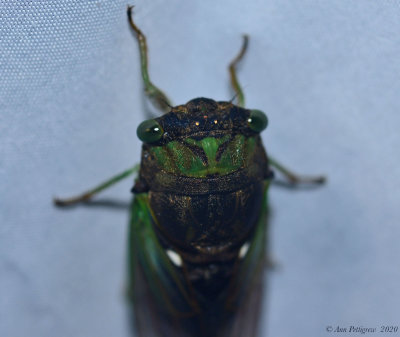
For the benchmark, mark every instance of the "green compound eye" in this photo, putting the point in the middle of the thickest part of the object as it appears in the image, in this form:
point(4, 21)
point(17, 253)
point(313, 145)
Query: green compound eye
point(257, 120)
point(149, 131)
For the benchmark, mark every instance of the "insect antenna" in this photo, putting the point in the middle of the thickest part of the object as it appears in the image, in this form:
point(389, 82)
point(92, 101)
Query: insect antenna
point(156, 96)
point(232, 71)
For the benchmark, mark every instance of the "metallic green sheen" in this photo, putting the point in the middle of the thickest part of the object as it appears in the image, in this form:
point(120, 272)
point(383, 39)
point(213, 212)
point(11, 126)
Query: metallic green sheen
point(258, 121)
point(149, 131)
point(149, 263)
point(177, 158)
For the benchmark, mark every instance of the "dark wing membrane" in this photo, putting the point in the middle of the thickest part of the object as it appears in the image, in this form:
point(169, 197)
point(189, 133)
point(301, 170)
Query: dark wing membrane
point(147, 321)
point(247, 318)
point(143, 319)
point(251, 283)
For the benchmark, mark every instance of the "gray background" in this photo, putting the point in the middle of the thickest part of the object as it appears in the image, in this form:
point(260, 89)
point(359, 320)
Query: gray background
point(325, 72)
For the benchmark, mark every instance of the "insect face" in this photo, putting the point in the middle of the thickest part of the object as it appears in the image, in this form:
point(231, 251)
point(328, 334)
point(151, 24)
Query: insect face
point(203, 138)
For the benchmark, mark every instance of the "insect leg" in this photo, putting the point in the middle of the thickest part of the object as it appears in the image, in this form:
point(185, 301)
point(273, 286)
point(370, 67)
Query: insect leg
point(89, 194)
point(232, 71)
point(156, 96)
point(293, 178)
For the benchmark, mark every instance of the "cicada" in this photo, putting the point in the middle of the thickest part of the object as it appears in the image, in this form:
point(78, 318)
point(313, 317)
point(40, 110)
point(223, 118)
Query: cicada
point(198, 229)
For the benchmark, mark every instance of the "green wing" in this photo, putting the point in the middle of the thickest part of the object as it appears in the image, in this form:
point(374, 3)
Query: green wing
point(161, 300)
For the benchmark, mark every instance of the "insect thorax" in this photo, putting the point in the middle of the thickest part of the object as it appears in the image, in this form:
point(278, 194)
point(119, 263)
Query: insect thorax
point(204, 178)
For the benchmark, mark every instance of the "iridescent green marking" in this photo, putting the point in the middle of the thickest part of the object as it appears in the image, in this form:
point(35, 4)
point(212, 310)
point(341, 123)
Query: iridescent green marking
point(210, 146)
point(177, 158)
point(183, 158)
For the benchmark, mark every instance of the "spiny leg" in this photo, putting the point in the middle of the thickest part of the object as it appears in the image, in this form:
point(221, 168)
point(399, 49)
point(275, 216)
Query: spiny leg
point(89, 194)
point(293, 178)
point(156, 96)
point(232, 71)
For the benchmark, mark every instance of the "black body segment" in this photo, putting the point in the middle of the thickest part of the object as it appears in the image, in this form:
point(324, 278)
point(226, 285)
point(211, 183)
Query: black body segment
point(207, 225)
